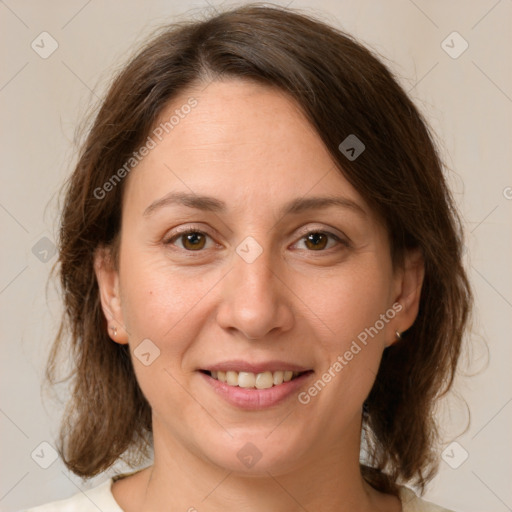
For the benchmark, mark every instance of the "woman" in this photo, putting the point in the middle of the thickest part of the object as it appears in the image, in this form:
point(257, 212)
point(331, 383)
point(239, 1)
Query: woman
point(261, 265)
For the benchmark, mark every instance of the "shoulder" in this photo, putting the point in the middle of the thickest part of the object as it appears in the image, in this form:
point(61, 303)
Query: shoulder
point(97, 498)
point(411, 503)
point(100, 497)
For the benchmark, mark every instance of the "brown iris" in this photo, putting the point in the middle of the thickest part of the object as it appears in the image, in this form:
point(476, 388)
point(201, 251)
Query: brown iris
point(193, 241)
point(316, 241)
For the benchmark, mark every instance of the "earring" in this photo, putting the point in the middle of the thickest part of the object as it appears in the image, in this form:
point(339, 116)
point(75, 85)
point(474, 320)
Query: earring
point(398, 335)
point(114, 330)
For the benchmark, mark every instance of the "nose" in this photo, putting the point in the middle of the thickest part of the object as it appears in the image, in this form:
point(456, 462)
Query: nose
point(256, 300)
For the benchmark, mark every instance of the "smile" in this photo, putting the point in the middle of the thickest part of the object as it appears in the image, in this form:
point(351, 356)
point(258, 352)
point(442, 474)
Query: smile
point(248, 380)
point(258, 389)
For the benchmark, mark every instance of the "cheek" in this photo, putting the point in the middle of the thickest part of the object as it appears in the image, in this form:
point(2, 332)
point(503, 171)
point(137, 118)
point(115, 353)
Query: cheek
point(350, 300)
point(160, 303)
point(153, 294)
point(350, 304)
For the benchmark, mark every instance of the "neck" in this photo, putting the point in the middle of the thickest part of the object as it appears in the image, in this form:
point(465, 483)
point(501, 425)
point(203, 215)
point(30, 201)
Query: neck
point(328, 479)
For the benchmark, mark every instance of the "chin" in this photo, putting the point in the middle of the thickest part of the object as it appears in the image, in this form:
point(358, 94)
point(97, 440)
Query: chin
point(256, 453)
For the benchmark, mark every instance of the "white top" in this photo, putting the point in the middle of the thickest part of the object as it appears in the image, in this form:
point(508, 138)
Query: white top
point(101, 498)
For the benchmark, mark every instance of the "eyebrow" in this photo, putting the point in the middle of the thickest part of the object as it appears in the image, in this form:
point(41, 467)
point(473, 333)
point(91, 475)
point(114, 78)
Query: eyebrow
point(211, 204)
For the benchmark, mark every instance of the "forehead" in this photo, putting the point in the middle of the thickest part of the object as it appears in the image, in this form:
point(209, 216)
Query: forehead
point(241, 121)
point(241, 140)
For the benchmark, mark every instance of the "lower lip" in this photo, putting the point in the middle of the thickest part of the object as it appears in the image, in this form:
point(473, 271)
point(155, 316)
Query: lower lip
point(256, 399)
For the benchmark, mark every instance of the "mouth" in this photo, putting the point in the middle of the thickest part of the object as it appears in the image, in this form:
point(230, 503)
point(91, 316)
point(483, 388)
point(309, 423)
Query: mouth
point(251, 380)
point(254, 385)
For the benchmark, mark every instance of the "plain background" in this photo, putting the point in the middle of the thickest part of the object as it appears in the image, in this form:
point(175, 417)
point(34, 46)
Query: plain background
point(467, 100)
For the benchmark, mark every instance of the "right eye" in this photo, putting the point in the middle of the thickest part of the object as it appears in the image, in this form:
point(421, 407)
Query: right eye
point(191, 240)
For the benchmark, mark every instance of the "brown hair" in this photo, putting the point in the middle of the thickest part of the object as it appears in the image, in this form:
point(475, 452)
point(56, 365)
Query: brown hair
point(343, 89)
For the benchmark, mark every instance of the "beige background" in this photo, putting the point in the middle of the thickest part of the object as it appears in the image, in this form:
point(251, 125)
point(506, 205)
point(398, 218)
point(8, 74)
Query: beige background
point(468, 101)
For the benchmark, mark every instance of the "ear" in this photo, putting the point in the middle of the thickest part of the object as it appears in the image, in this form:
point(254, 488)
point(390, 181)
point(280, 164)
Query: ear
point(108, 283)
point(409, 282)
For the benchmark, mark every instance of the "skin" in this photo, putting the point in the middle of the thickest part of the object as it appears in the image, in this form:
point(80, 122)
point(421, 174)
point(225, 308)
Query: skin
point(249, 146)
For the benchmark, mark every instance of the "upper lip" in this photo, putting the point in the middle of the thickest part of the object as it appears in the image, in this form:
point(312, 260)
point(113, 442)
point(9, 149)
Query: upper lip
point(239, 365)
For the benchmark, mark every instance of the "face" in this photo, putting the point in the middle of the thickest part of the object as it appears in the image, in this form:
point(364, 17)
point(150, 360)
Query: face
point(247, 259)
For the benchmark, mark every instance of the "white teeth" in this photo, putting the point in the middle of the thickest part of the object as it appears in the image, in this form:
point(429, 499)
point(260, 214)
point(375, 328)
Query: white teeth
point(278, 378)
point(264, 380)
point(246, 380)
point(232, 378)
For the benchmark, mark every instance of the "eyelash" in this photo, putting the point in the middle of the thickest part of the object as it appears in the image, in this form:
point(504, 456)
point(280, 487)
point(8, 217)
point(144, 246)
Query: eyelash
point(189, 231)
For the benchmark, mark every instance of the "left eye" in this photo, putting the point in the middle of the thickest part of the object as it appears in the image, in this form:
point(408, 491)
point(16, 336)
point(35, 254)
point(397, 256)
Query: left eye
point(194, 240)
point(319, 240)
